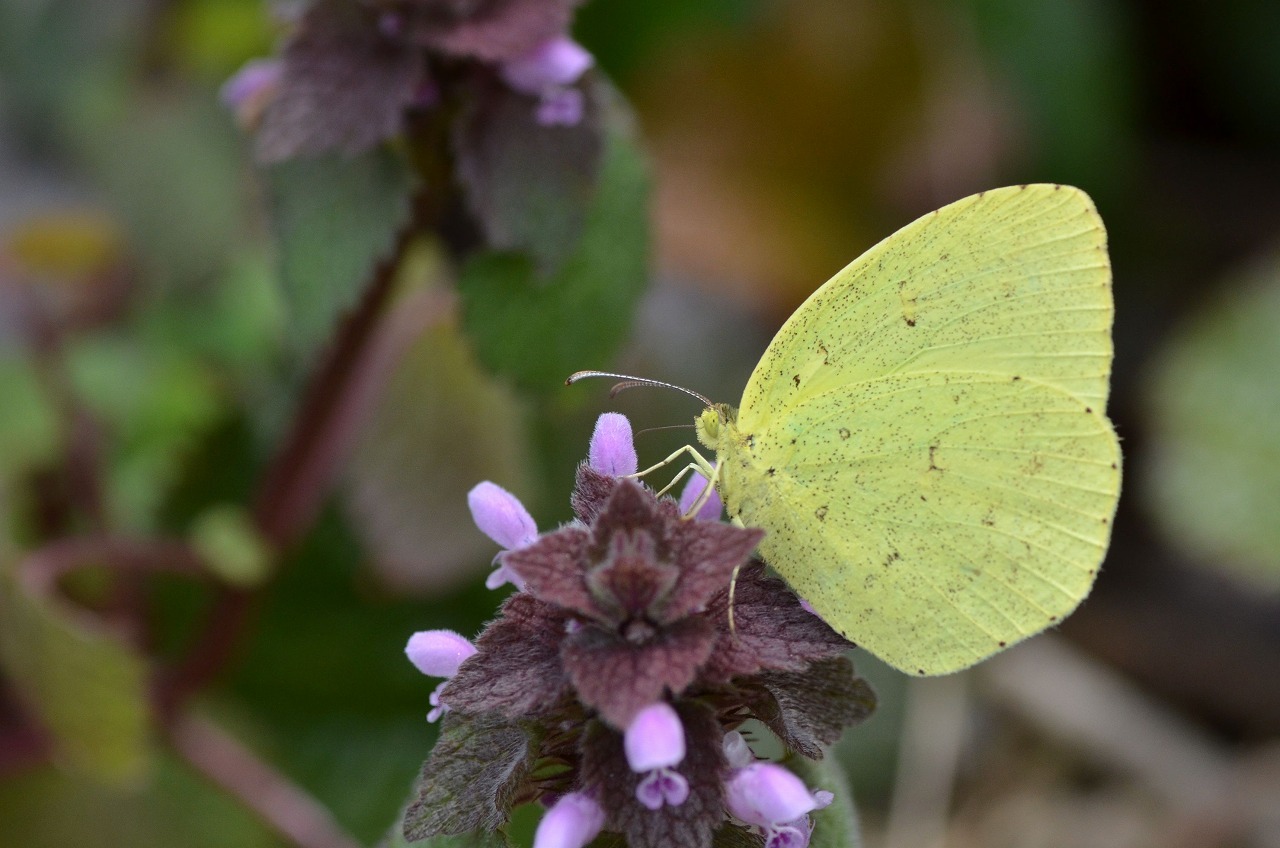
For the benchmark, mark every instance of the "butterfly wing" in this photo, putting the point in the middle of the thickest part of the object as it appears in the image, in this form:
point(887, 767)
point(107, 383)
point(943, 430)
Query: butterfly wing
point(924, 440)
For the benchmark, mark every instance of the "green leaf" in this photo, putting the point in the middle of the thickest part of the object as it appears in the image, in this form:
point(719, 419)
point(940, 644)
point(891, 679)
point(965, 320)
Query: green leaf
point(28, 426)
point(527, 184)
point(834, 826)
point(154, 402)
point(442, 425)
point(334, 218)
point(1214, 475)
point(538, 329)
point(470, 779)
point(87, 688)
point(228, 540)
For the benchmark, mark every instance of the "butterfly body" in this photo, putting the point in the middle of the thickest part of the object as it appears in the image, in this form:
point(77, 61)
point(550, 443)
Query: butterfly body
point(924, 440)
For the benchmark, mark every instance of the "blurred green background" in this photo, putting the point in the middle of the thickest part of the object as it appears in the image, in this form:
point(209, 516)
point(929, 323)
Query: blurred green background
point(784, 138)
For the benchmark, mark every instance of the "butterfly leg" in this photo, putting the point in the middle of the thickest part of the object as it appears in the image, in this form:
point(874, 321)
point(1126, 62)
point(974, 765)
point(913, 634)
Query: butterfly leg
point(699, 461)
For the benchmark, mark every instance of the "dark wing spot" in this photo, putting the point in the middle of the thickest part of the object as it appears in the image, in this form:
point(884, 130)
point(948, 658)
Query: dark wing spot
point(1056, 186)
point(920, 671)
point(911, 322)
point(795, 378)
point(1023, 186)
point(1114, 467)
point(772, 471)
point(793, 441)
point(820, 513)
point(844, 433)
point(944, 256)
point(1002, 644)
point(1016, 378)
point(1088, 409)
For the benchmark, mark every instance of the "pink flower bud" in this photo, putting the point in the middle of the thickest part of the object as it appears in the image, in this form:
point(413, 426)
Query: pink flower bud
point(438, 653)
point(557, 62)
point(501, 516)
point(654, 739)
point(709, 511)
point(767, 795)
point(612, 450)
point(574, 821)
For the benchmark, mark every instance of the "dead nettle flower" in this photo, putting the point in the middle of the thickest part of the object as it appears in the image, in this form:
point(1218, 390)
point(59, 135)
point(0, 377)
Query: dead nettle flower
point(350, 71)
point(501, 517)
point(548, 72)
point(607, 685)
point(438, 653)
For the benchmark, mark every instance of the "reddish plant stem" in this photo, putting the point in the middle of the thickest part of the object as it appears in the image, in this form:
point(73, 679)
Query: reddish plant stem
point(283, 806)
point(300, 476)
point(41, 569)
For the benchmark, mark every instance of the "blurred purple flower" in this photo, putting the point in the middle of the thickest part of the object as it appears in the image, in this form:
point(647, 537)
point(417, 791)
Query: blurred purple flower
point(548, 72)
point(249, 90)
point(572, 822)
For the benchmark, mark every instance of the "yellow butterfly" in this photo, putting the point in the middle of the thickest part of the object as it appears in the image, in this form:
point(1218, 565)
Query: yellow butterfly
point(925, 440)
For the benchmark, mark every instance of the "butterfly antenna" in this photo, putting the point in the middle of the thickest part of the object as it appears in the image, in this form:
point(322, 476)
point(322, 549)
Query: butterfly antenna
point(664, 427)
point(629, 382)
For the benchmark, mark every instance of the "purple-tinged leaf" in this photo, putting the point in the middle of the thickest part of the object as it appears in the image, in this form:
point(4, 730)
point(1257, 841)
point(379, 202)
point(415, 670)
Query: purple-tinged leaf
point(511, 306)
point(489, 30)
point(707, 552)
point(809, 709)
point(554, 567)
point(343, 87)
point(527, 183)
point(620, 677)
point(516, 670)
point(471, 778)
point(771, 630)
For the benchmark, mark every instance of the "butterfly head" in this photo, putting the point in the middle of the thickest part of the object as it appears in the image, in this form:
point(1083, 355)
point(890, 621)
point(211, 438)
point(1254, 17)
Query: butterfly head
point(712, 425)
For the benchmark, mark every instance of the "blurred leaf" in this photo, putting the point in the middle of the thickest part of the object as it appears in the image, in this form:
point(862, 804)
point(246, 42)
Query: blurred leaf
point(529, 185)
point(170, 167)
point(29, 431)
point(334, 219)
point(539, 330)
point(835, 826)
point(344, 85)
point(50, 808)
point(226, 537)
point(154, 403)
point(1069, 63)
point(1214, 473)
point(215, 37)
point(86, 687)
point(442, 425)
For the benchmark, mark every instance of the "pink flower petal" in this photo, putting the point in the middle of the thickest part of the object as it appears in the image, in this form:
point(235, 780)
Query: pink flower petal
point(574, 821)
point(612, 449)
point(654, 739)
point(557, 62)
point(766, 794)
point(501, 516)
point(438, 653)
point(709, 511)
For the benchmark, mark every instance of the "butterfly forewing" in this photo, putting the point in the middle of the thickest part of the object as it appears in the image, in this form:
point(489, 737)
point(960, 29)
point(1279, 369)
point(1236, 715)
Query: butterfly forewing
point(1012, 281)
point(925, 440)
